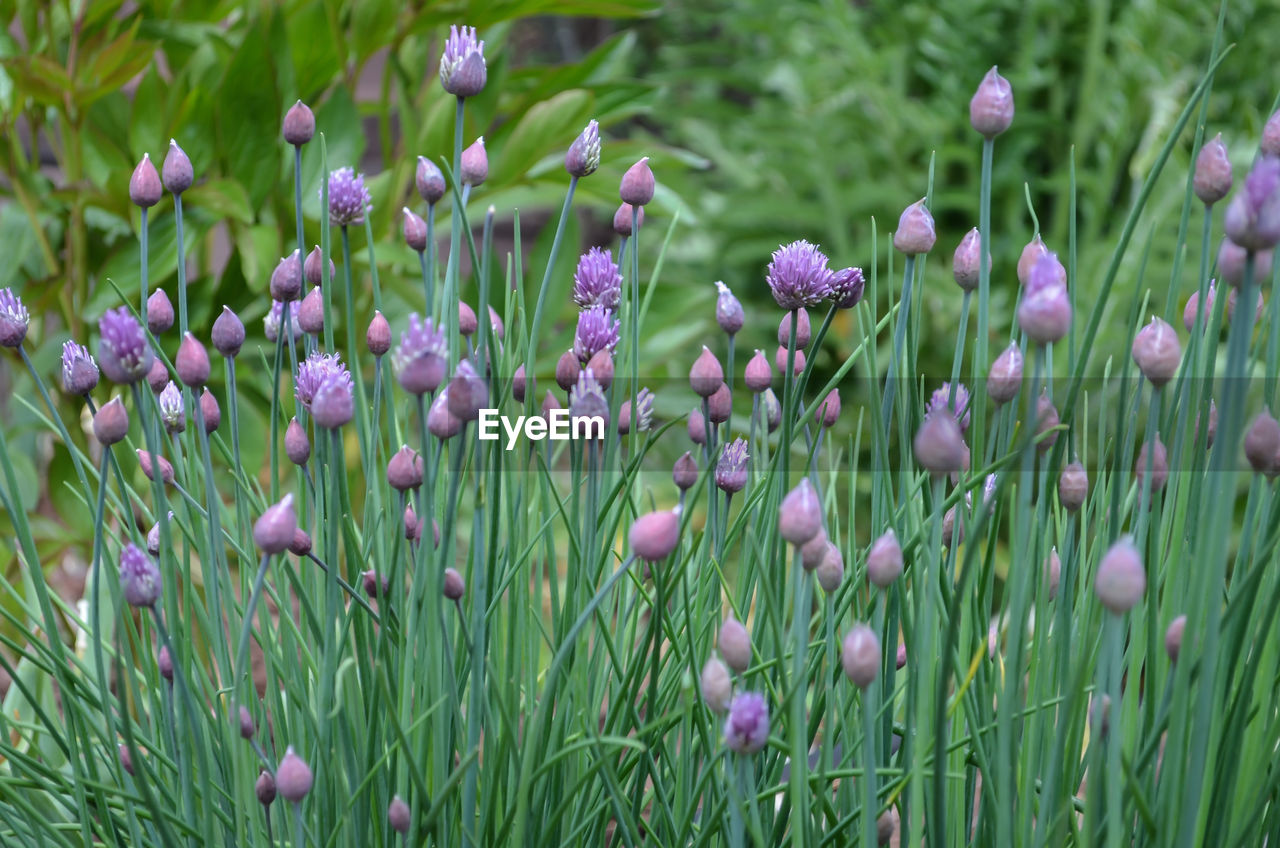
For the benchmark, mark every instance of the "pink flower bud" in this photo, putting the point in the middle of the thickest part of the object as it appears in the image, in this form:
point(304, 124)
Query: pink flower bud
point(706, 376)
point(939, 445)
point(144, 185)
point(637, 184)
point(1004, 380)
point(803, 330)
point(293, 777)
point(299, 124)
point(759, 373)
point(1212, 180)
point(716, 685)
point(1157, 352)
point(800, 514)
point(991, 109)
point(860, 655)
point(884, 560)
point(916, 233)
point(1121, 579)
point(965, 263)
point(655, 535)
point(1173, 637)
point(735, 644)
point(1073, 487)
point(474, 167)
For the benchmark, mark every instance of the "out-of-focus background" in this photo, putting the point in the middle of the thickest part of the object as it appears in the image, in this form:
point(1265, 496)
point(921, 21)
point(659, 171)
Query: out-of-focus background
point(765, 122)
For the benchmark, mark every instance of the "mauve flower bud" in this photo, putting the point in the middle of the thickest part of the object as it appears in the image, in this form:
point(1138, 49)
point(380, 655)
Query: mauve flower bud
point(139, 577)
point(299, 124)
point(311, 313)
point(467, 323)
point(746, 730)
point(731, 470)
point(1231, 258)
point(144, 186)
point(812, 551)
point(1173, 637)
point(313, 267)
point(398, 816)
point(716, 685)
point(846, 288)
point(1270, 144)
point(1032, 253)
point(802, 329)
point(706, 375)
point(830, 571)
point(1212, 180)
point(1005, 377)
point(1073, 486)
point(468, 394)
point(176, 170)
point(729, 314)
point(916, 233)
point(735, 644)
point(601, 367)
point(1052, 573)
point(1045, 312)
point(166, 469)
point(301, 544)
point(720, 405)
point(286, 279)
point(265, 788)
point(157, 376)
point(111, 422)
point(685, 472)
point(164, 662)
point(567, 370)
point(964, 263)
point(333, 405)
point(429, 181)
point(952, 533)
point(412, 526)
point(1047, 421)
point(246, 723)
point(1121, 580)
point(474, 167)
point(991, 108)
point(210, 411)
point(583, 156)
point(1159, 458)
point(296, 445)
point(1262, 442)
point(860, 655)
point(453, 587)
point(192, 362)
point(442, 423)
point(463, 72)
point(1253, 216)
point(293, 777)
point(759, 373)
point(495, 323)
point(637, 184)
point(126, 759)
point(622, 219)
point(828, 412)
point(886, 827)
point(159, 312)
point(939, 444)
point(655, 535)
point(800, 514)
point(520, 385)
point(378, 336)
point(770, 409)
point(1157, 352)
point(172, 412)
point(780, 360)
point(273, 531)
point(228, 333)
point(884, 560)
point(79, 371)
point(373, 585)
point(404, 470)
point(697, 427)
point(1212, 427)
point(415, 230)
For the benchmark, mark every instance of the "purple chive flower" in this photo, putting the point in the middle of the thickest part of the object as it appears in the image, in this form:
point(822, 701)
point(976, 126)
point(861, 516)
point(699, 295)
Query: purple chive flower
point(79, 371)
point(14, 319)
point(299, 124)
point(314, 371)
point(473, 168)
point(1121, 579)
point(171, 411)
point(1212, 180)
point(159, 312)
point(293, 777)
point(429, 181)
point(419, 361)
point(941, 399)
point(583, 156)
point(644, 420)
point(333, 403)
point(731, 470)
point(847, 286)
point(228, 333)
point(746, 730)
point(637, 184)
point(139, 577)
point(655, 535)
point(916, 232)
point(729, 314)
point(468, 392)
point(144, 185)
point(123, 352)
point(586, 398)
point(271, 321)
point(597, 281)
point(798, 275)
point(1253, 217)
point(176, 170)
point(991, 109)
point(463, 72)
point(348, 198)
point(597, 331)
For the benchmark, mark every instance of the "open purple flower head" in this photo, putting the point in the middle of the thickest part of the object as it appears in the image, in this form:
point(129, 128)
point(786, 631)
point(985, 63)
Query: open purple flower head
point(847, 286)
point(597, 331)
point(348, 198)
point(79, 371)
point(172, 414)
point(315, 371)
point(586, 398)
point(597, 281)
point(746, 730)
point(462, 67)
point(941, 397)
point(123, 351)
point(14, 319)
point(798, 275)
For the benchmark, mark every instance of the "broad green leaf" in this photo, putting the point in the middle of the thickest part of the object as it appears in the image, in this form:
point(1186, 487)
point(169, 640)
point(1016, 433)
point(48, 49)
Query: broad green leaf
point(249, 113)
point(549, 125)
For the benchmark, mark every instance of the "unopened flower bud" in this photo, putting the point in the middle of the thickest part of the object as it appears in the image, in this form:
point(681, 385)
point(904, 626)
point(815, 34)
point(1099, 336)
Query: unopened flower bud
point(296, 445)
point(378, 336)
point(1231, 259)
point(637, 185)
point(1262, 443)
point(830, 572)
point(166, 468)
point(716, 685)
point(301, 544)
point(313, 267)
point(286, 279)
point(812, 551)
point(192, 362)
point(655, 535)
point(884, 560)
point(293, 777)
point(729, 314)
point(1045, 312)
point(720, 405)
point(210, 411)
point(759, 373)
point(991, 108)
point(685, 472)
point(1159, 461)
point(1047, 421)
point(1032, 252)
point(159, 312)
point(800, 514)
point(1073, 487)
point(828, 412)
point(144, 186)
point(375, 586)
point(1052, 573)
point(228, 333)
point(1004, 380)
point(965, 265)
point(164, 662)
point(111, 422)
point(1121, 580)
point(1157, 352)
point(601, 367)
point(273, 531)
point(622, 219)
point(139, 577)
point(398, 816)
point(697, 427)
point(770, 409)
point(1173, 637)
point(735, 644)
point(939, 444)
point(1212, 180)
point(583, 156)
point(246, 723)
point(474, 167)
point(299, 124)
point(706, 376)
point(567, 370)
point(916, 233)
point(311, 313)
point(860, 655)
point(265, 788)
point(453, 587)
point(780, 361)
point(176, 171)
point(803, 330)
point(404, 471)
point(126, 759)
point(1253, 216)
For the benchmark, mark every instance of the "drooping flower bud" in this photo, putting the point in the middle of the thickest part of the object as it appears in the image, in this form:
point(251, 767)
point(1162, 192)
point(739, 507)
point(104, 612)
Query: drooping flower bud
point(144, 186)
point(293, 777)
point(159, 312)
point(916, 233)
point(716, 685)
point(1157, 352)
point(1004, 380)
point(166, 468)
point(800, 514)
point(1212, 180)
point(1173, 637)
point(991, 108)
point(803, 330)
point(583, 156)
point(1121, 579)
point(965, 262)
point(111, 422)
point(273, 531)
point(685, 472)
point(759, 373)
point(729, 314)
point(860, 655)
point(1253, 216)
point(404, 470)
point(637, 185)
point(939, 444)
point(474, 167)
point(139, 577)
point(735, 644)
point(1073, 487)
point(1262, 443)
point(299, 124)
point(655, 535)
point(884, 560)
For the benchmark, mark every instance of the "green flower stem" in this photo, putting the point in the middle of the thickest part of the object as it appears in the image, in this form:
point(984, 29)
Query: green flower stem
point(980, 359)
point(870, 806)
point(531, 348)
point(142, 266)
